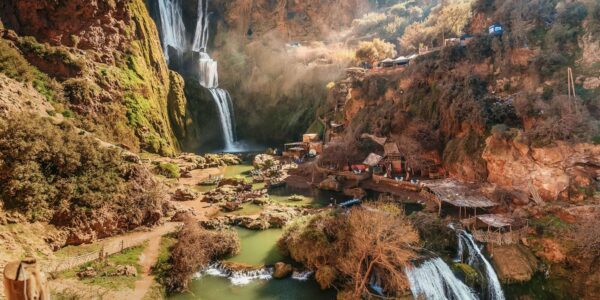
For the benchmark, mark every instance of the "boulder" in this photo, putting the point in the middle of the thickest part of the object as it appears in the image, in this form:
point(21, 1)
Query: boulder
point(264, 161)
point(356, 193)
point(514, 263)
point(253, 223)
point(125, 270)
point(184, 194)
point(89, 272)
point(282, 270)
point(330, 184)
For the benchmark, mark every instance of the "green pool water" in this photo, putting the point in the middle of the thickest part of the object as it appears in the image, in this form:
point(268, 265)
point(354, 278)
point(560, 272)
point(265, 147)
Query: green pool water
point(219, 288)
point(257, 248)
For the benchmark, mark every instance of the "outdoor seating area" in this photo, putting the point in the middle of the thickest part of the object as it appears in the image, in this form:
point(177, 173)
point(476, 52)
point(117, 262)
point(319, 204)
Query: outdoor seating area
point(498, 229)
point(466, 197)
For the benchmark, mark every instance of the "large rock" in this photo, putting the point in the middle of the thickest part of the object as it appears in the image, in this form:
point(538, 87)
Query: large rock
point(330, 184)
point(264, 161)
point(282, 270)
point(514, 263)
point(551, 170)
point(184, 194)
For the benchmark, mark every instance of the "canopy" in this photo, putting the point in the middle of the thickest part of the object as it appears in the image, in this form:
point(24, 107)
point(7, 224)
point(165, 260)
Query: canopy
point(459, 194)
point(372, 160)
point(379, 140)
point(496, 221)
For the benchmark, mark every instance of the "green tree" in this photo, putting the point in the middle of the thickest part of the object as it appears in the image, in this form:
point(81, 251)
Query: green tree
point(375, 51)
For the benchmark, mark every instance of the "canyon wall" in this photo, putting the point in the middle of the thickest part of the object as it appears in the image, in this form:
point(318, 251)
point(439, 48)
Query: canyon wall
point(105, 62)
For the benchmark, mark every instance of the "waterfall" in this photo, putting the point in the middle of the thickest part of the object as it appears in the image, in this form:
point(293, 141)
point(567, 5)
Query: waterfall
point(209, 76)
point(225, 107)
point(301, 275)
point(174, 35)
point(494, 289)
point(172, 27)
point(433, 280)
point(237, 277)
point(201, 35)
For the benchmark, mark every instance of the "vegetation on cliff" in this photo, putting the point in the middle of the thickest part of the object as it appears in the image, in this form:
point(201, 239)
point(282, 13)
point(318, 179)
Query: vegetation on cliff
point(347, 248)
point(55, 173)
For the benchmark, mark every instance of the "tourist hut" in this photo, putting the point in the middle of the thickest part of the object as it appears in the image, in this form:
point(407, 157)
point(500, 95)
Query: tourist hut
point(295, 150)
point(499, 229)
point(387, 63)
point(401, 61)
point(465, 197)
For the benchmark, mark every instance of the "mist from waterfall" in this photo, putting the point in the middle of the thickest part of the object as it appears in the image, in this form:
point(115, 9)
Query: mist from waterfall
point(433, 280)
point(172, 27)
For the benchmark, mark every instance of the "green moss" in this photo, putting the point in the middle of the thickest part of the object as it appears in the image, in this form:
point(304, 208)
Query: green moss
point(168, 170)
point(470, 274)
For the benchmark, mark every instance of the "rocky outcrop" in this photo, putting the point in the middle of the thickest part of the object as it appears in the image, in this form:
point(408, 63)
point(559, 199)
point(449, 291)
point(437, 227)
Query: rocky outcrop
point(330, 184)
point(282, 270)
point(107, 58)
point(557, 171)
point(514, 263)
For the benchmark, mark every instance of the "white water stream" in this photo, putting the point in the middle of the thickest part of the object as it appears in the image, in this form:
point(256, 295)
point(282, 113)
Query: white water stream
point(475, 257)
point(433, 280)
point(172, 27)
point(174, 35)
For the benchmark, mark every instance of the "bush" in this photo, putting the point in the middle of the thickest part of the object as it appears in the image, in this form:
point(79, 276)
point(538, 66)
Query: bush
point(195, 249)
point(375, 51)
point(168, 170)
point(346, 249)
point(53, 173)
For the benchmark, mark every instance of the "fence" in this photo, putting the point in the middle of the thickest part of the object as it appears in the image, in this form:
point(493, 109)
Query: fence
point(500, 238)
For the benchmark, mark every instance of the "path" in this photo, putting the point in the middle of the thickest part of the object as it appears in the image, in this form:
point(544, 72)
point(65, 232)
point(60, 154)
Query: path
point(148, 259)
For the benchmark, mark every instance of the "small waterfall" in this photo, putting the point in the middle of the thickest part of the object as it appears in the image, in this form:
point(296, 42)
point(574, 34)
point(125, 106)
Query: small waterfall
point(209, 75)
point(301, 275)
point(172, 27)
point(433, 280)
point(225, 107)
point(237, 277)
point(201, 35)
point(475, 257)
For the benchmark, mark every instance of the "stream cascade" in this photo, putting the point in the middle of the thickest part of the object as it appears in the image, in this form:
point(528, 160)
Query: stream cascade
point(174, 35)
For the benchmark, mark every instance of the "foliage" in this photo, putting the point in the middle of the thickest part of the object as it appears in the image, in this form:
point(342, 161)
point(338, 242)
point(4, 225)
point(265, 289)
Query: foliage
point(15, 66)
point(104, 269)
point(346, 249)
point(587, 238)
point(53, 173)
point(375, 50)
point(196, 247)
point(169, 170)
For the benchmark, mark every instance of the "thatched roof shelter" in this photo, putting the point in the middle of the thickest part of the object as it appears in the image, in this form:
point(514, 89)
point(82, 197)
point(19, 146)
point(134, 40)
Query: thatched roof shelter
point(378, 140)
point(459, 194)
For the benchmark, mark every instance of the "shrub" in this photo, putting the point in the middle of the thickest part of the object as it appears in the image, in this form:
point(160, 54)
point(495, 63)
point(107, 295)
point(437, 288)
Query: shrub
point(346, 249)
point(375, 50)
point(168, 170)
point(196, 247)
point(53, 173)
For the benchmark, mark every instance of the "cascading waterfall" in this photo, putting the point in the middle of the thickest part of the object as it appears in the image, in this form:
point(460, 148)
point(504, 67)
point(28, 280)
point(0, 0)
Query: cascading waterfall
point(433, 280)
point(209, 76)
point(172, 27)
point(224, 105)
point(494, 289)
point(174, 35)
point(201, 37)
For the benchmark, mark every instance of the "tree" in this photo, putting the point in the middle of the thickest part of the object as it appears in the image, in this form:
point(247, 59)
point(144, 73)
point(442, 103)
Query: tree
point(375, 51)
point(414, 35)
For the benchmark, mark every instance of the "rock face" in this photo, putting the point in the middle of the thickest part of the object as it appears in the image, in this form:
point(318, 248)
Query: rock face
point(514, 263)
point(184, 194)
point(330, 184)
point(551, 170)
point(107, 58)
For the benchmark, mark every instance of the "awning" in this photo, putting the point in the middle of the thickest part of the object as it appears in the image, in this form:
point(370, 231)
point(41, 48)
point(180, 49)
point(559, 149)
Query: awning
point(372, 160)
point(459, 194)
point(391, 149)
